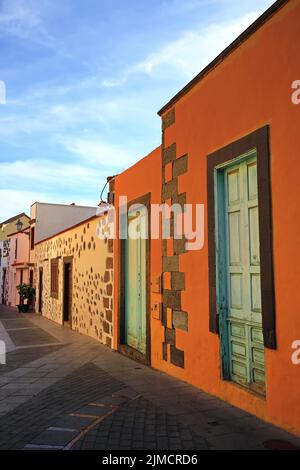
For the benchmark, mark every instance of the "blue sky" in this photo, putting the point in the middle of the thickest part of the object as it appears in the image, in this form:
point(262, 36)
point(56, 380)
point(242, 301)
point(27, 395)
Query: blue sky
point(84, 81)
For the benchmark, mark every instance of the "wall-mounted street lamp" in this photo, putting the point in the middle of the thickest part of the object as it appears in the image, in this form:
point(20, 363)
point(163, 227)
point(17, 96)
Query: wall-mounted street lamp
point(19, 226)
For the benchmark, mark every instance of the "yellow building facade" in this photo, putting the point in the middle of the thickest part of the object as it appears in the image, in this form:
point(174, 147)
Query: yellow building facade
point(9, 226)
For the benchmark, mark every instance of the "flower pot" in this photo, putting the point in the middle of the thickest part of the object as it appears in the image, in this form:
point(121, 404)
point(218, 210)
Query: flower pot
point(23, 308)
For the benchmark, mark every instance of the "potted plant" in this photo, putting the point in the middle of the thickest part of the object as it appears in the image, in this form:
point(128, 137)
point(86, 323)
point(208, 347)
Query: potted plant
point(27, 293)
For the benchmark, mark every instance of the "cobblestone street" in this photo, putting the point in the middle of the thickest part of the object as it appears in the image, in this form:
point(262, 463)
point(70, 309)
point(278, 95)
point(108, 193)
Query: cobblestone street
point(62, 390)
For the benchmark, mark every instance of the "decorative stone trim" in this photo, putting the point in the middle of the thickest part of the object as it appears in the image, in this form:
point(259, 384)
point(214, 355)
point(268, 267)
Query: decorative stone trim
point(169, 189)
point(172, 299)
point(179, 246)
point(168, 119)
point(180, 166)
point(177, 281)
point(168, 154)
point(180, 320)
point(177, 357)
point(170, 263)
point(171, 251)
point(170, 335)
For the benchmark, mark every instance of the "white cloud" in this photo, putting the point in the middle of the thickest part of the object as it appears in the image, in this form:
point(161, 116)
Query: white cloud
point(35, 117)
point(54, 112)
point(15, 201)
point(16, 13)
point(189, 53)
point(76, 116)
point(24, 19)
point(179, 6)
point(52, 182)
point(96, 152)
point(45, 175)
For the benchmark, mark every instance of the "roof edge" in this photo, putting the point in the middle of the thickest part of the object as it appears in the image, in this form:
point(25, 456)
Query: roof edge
point(232, 47)
point(15, 217)
point(62, 205)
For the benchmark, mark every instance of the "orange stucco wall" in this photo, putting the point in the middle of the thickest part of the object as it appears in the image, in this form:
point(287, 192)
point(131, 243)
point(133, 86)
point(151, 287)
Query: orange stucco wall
point(249, 89)
point(137, 181)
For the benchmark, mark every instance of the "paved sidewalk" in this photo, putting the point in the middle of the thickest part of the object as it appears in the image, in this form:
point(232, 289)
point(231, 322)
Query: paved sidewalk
point(62, 390)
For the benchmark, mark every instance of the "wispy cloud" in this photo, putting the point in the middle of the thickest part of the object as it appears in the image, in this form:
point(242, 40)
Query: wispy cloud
point(96, 152)
point(24, 19)
point(74, 113)
point(45, 173)
point(14, 201)
point(179, 6)
point(189, 53)
point(30, 116)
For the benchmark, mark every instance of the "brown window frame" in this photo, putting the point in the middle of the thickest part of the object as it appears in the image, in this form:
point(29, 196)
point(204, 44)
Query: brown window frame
point(31, 277)
point(32, 234)
point(258, 140)
point(54, 273)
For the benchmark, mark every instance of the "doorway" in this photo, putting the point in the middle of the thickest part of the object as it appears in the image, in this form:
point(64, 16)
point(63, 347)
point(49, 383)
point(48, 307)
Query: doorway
point(67, 300)
point(40, 300)
point(4, 295)
point(239, 273)
point(134, 333)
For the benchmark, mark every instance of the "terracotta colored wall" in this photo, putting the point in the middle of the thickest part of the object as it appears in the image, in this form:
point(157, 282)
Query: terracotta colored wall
point(250, 88)
point(142, 178)
point(92, 305)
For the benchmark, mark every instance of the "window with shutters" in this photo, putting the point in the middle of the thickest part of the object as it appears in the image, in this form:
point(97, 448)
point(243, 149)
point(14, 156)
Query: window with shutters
point(54, 278)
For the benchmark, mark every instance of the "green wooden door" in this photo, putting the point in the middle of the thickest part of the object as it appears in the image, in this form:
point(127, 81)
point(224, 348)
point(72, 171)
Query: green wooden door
point(242, 312)
point(135, 281)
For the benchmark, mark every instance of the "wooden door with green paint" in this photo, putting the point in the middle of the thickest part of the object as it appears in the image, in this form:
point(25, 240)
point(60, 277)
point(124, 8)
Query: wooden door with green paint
point(135, 281)
point(241, 313)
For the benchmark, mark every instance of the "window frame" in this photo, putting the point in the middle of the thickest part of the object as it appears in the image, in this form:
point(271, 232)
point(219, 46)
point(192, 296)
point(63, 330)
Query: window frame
point(32, 235)
point(258, 140)
point(54, 278)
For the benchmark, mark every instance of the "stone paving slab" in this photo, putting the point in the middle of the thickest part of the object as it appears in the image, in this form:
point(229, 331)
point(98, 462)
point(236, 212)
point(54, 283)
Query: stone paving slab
point(17, 323)
point(7, 313)
point(91, 410)
point(18, 358)
point(73, 422)
point(29, 337)
point(55, 437)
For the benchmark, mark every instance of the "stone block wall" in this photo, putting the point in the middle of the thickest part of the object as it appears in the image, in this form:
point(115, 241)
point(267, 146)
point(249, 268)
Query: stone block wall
point(92, 274)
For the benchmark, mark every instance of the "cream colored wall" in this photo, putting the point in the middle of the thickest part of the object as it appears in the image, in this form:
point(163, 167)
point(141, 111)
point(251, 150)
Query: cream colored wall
point(53, 218)
point(92, 302)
